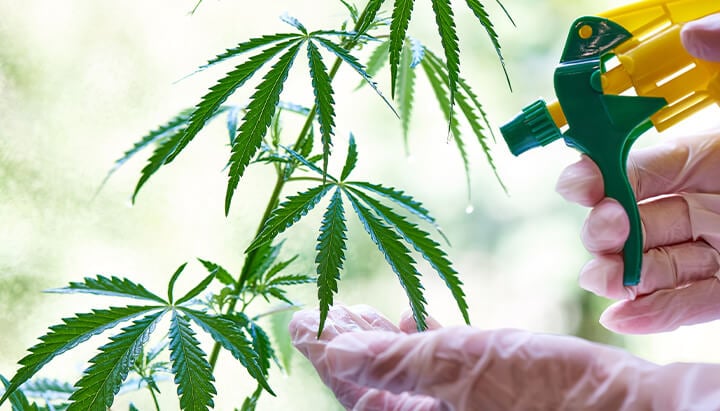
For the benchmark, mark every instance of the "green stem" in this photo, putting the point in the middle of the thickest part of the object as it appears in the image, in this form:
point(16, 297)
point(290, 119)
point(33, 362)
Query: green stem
point(154, 397)
point(275, 196)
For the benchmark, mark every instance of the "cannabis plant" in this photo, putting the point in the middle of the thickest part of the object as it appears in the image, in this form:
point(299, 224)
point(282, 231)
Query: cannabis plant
point(222, 305)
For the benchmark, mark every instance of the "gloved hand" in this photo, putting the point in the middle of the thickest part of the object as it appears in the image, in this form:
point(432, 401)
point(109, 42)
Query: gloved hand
point(372, 365)
point(678, 184)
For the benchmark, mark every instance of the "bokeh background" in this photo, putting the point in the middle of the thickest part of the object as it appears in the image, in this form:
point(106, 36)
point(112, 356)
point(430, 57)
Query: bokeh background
point(80, 81)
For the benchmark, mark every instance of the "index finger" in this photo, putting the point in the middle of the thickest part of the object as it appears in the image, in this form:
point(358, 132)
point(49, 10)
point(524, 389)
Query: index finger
point(681, 165)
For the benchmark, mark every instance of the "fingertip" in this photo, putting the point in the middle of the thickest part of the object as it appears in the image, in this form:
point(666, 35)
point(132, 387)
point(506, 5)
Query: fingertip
point(700, 38)
point(606, 228)
point(348, 354)
point(603, 276)
point(581, 183)
point(408, 325)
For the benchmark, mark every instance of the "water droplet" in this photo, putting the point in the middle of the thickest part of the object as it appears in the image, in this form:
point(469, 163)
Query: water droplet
point(469, 209)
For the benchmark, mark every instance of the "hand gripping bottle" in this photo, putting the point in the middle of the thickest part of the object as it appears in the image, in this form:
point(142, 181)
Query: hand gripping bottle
point(622, 72)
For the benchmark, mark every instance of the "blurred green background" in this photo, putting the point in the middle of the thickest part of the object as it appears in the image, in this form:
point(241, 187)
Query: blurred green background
point(80, 81)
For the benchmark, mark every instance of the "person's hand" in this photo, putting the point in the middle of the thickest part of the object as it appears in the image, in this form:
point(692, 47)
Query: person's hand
point(372, 365)
point(678, 185)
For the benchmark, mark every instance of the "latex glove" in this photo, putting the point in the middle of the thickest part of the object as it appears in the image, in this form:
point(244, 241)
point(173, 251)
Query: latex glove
point(678, 185)
point(372, 365)
point(679, 284)
point(702, 38)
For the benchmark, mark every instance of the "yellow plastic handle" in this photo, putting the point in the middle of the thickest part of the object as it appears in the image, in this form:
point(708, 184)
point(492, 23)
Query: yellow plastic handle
point(654, 62)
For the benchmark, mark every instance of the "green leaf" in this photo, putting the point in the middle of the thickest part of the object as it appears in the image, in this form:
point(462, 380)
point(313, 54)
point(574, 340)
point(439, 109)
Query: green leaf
point(278, 293)
point(397, 256)
point(366, 20)
point(352, 35)
point(226, 332)
point(173, 279)
point(162, 152)
point(402, 11)
point(376, 60)
point(265, 257)
point(352, 9)
point(157, 160)
point(279, 326)
point(102, 380)
point(398, 197)
point(196, 290)
point(405, 92)
point(70, 333)
point(479, 10)
point(331, 246)
point(112, 287)
point(250, 402)
point(132, 406)
point(220, 273)
point(418, 52)
point(324, 103)
point(279, 267)
point(350, 160)
point(232, 120)
point(468, 108)
point(222, 90)
point(293, 22)
point(159, 133)
point(193, 373)
point(350, 60)
point(262, 345)
point(18, 400)
point(257, 119)
point(47, 387)
point(448, 38)
point(308, 163)
point(436, 83)
point(249, 45)
point(288, 213)
point(291, 279)
point(421, 241)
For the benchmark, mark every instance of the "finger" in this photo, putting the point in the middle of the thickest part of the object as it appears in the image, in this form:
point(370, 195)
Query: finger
point(303, 332)
point(663, 268)
point(374, 319)
point(681, 165)
point(664, 221)
point(581, 183)
point(377, 400)
point(701, 38)
point(665, 310)
point(606, 228)
point(409, 326)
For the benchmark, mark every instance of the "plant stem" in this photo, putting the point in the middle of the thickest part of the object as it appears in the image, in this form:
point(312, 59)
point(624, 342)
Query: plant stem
point(275, 196)
point(154, 397)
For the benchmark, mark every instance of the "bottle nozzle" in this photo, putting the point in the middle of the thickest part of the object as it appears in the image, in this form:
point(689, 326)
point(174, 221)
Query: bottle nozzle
point(533, 127)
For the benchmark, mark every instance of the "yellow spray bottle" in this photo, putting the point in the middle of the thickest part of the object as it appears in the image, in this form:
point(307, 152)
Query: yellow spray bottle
point(622, 72)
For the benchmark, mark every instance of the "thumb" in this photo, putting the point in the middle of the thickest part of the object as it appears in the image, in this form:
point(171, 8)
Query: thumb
point(701, 38)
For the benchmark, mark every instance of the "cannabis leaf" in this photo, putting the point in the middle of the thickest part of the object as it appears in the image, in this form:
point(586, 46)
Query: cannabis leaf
point(330, 254)
point(229, 334)
point(324, 102)
point(402, 11)
point(288, 213)
point(102, 380)
point(421, 241)
point(193, 375)
point(246, 46)
point(350, 160)
point(449, 40)
point(479, 10)
point(222, 90)
point(405, 92)
point(220, 273)
point(257, 119)
point(397, 256)
point(65, 336)
point(125, 351)
point(112, 287)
